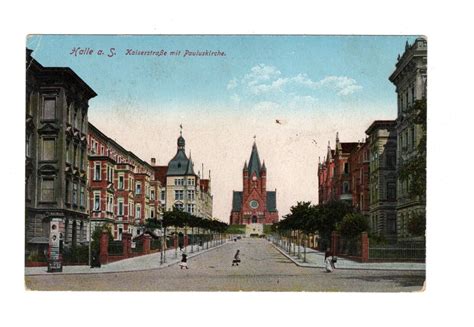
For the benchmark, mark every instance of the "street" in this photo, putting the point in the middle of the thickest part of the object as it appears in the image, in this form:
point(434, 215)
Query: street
point(262, 268)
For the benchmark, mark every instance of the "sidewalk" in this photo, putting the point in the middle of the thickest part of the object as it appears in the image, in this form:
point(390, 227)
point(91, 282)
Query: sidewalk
point(144, 262)
point(315, 259)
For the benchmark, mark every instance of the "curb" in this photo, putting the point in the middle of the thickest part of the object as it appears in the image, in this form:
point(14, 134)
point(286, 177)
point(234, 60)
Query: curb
point(307, 265)
point(166, 265)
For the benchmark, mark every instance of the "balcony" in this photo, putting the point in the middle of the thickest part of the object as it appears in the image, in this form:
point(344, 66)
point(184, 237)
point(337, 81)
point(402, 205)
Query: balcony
point(345, 197)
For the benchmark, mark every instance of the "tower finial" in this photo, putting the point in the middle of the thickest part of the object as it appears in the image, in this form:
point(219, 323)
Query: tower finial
point(181, 129)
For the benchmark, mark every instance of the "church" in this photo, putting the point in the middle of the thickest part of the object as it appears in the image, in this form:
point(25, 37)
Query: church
point(254, 205)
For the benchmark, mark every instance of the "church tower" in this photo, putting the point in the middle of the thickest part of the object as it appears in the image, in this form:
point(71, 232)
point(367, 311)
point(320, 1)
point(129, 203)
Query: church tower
point(254, 205)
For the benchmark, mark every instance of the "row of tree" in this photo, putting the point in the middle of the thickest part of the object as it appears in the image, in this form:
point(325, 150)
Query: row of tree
point(181, 219)
point(323, 219)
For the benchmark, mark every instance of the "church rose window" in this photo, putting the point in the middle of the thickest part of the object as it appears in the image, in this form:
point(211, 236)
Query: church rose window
point(253, 204)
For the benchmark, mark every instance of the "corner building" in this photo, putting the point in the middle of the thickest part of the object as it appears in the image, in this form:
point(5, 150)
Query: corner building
point(57, 102)
point(254, 205)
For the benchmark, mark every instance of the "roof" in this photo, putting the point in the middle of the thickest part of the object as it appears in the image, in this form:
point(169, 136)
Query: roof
point(377, 124)
point(348, 147)
point(180, 165)
point(204, 185)
point(237, 201)
point(271, 201)
point(60, 74)
point(254, 162)
point(160, 173)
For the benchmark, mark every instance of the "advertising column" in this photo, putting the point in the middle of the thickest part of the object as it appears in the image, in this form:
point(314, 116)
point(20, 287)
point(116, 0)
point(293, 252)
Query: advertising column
point(54, 255)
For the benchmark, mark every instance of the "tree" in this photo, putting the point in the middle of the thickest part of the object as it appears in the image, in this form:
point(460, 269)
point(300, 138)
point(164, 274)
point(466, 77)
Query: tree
point(417, 225)
point(352, 225)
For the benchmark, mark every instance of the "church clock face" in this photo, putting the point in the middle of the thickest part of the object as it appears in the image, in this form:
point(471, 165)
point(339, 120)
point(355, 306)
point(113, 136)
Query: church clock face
point(253, 204)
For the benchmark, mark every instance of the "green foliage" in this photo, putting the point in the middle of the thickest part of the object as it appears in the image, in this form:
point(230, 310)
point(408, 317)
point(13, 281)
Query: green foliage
point(235, 229)
point(178, 218)
point(352, 225)
point(95, 245)
point(414, 169)
point(417, 225)
point(311, 218)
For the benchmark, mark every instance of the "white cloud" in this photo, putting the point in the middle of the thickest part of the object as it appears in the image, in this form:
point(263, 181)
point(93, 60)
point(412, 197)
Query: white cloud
point(342, 84)
point(266, 84)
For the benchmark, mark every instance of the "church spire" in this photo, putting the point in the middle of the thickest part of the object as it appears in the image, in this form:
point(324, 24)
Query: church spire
point(254, 162)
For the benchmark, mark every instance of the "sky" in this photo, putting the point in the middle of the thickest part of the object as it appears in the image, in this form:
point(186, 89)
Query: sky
point(314, 86)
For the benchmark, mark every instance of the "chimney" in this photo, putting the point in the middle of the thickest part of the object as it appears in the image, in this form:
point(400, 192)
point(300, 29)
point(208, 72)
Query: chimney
point(153, 161)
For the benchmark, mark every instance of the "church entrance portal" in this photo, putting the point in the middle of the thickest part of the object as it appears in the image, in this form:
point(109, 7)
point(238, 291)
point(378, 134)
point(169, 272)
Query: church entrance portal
point(254, 219)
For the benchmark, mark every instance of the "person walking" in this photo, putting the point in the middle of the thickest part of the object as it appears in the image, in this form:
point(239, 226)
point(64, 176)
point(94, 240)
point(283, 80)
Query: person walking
point(329, 261)
point(184, 261)
point(236, 260)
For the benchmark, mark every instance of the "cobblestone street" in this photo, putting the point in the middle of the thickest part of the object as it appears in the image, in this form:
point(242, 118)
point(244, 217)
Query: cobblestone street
point(262, 268)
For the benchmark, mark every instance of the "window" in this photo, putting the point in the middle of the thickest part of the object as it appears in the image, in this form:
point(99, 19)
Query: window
point(190, 208)
point(74, 158)
point(179, 182)
point(47, 190)
point(49, 108)
point(191, 181)
point(120, 182)
point(163, 195)
point(97, 171)
point(152, 194)
point(120, 207)
point(179, 195)
point(138, 188)
point(74, 193)
point(413, 97)
point(82, 200)
point(110, 203)
point(152, 213)
point(67, 192)
point(131, 211)
point(68, 152)
point(179, 206)
point(28, 146)
point(346, 168)
point(412, 136)
point(97, 201)
point(138, 213)
point(48, 152)
point(345, 187)
point(190, 195)
point(81, 163)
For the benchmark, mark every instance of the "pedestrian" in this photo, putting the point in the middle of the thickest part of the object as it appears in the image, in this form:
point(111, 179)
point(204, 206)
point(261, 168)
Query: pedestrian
point(328, 261)
point(236, 260)
point(184, 261)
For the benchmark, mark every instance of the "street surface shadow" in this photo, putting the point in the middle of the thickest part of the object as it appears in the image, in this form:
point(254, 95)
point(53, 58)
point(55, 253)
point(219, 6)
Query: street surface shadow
point(403, 281)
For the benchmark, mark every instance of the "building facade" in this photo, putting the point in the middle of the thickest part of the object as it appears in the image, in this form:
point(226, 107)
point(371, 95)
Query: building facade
point(56, 156)
point(382, 141)
point(410, 80)
point(359, 170)
point(123, 189)
point(186, 190)
point(334, 174)
point(254, 204)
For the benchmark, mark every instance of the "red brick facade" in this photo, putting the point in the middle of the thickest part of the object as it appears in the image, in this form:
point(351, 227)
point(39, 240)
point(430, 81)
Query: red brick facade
point(254, 204)
point(124, 191)
point(334, 178)
point(359, 168)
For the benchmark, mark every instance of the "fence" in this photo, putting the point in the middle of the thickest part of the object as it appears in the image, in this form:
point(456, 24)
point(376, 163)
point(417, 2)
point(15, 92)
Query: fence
point(350, 247)
point(155, 244)
point(401, 251)
point(138, 247)
point(115, 248)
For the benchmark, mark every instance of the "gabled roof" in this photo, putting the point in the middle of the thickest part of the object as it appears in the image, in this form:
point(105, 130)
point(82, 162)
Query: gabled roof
point(236, 201)
point(271, 201)
point(348, 147)
point(254, 162)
